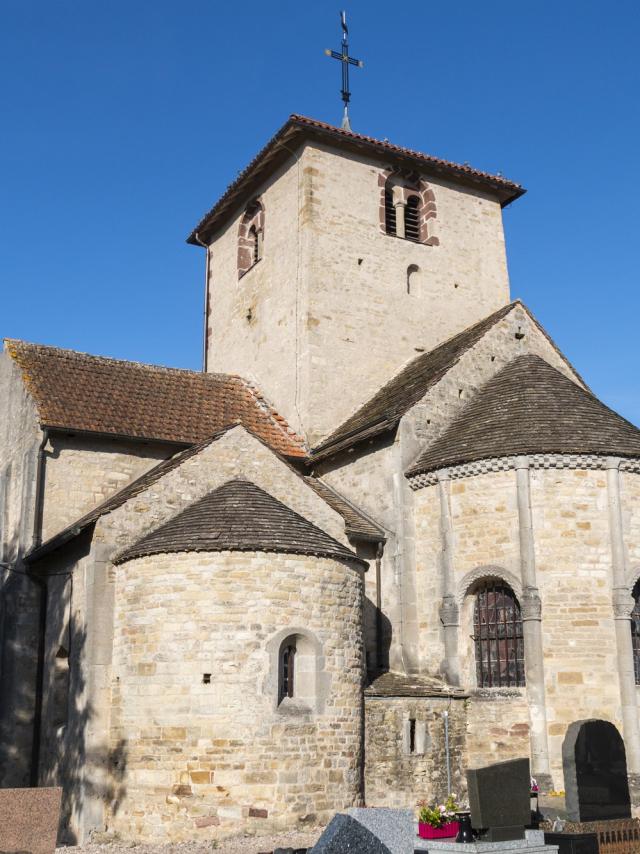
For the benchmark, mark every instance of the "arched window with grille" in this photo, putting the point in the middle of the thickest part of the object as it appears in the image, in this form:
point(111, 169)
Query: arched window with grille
point(389, 212)
point(635, 630)
point(498, 636)
point(412, 219)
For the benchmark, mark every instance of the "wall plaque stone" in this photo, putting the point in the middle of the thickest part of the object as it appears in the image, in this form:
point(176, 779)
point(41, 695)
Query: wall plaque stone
point(29, 819)
point(595, 772)
point(499, 799)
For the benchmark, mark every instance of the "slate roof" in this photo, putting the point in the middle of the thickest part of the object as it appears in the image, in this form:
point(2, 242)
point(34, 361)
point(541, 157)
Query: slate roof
point(529, 407)
point(80, 392)
point(389, 684)
point(384, 410)
point(298, 127)
point(239, 516)
point(356, 521)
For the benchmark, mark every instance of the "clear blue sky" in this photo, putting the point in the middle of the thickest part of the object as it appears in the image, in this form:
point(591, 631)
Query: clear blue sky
point(122, 122)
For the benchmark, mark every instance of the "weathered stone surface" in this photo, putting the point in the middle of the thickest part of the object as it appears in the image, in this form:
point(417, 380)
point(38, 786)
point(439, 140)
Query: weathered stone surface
point(345, 834)
point(29, 820)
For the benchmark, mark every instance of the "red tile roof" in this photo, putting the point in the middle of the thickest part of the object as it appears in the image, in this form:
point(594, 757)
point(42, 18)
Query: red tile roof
point(79, 392)
point(298, 127)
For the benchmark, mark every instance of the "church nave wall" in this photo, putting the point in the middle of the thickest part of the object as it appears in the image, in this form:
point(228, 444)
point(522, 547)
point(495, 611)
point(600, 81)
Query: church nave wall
point(82, 471)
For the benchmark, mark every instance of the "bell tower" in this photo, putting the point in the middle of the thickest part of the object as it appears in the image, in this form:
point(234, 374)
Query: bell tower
point(335, 258)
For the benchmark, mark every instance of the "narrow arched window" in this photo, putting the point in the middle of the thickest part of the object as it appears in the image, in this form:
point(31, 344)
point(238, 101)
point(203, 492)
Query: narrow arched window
point(412, 219)
point(286, 680)
point(412, 279)
point(635, 631)
point(498, 637)
point(255, 244)
point(389, 212)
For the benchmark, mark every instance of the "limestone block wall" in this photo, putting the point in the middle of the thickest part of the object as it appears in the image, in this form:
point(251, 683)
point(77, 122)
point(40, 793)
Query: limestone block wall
point(324, 318)
point(20, 438)
point(395, 776)
point(82, 471)
point(252, 322)
point(581, 669)
point(362, 324)
point(497, 727)
point(201, 758)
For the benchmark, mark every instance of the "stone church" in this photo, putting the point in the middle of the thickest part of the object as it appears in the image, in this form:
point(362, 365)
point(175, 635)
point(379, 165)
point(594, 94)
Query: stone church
point(387, 533)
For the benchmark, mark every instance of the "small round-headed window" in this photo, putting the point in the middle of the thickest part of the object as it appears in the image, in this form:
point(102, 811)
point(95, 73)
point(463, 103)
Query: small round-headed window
point(297, 671)
point(635, 630)
point(250, 237)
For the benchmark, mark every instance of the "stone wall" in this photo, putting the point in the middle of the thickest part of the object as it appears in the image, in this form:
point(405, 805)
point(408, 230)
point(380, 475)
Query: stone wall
point(324, 318)
point(20, 438)
point(82, 471)
point(573, 573)
point(394, 775)
point(201, 759)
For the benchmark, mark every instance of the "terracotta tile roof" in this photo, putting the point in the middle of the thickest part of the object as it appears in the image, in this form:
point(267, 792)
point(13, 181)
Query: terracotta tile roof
point(528, 407)
point(76, 391)
point(239, 516)
point(389, 684)
point(298, 127)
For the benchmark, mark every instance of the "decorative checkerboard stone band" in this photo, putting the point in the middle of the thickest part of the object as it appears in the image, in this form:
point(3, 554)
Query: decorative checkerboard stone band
point(536, 461)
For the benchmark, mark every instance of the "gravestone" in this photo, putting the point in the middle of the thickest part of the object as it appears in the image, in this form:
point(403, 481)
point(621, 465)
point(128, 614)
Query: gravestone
point(499, 799)
point(345, 835)
point(29, 819)
point(393, 827)
point(595, 772)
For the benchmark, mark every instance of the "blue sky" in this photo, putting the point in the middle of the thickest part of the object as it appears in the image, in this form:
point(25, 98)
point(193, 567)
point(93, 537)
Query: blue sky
point(122, 122)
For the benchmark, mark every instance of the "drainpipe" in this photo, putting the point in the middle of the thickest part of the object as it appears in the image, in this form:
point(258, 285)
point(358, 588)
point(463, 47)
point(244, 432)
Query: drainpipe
point(205, 331)
point(379, 552)
point(42, 613)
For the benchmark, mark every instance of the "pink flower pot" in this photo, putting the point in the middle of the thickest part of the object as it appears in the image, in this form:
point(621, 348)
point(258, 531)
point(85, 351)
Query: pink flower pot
point(427, 831)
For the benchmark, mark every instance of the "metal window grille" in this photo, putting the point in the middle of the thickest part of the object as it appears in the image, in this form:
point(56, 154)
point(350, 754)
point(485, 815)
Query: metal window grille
point(412, 219)
point(635, 631)
point(499, 643)
point(389, 213)
point(255, 248)
point(287, 666)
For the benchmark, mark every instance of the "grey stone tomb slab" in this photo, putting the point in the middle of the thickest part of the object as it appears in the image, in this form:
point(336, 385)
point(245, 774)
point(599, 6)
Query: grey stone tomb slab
point(345, 835)
point(29, 819)
point(595, 772)
point(499, 799)
point(393, 827)
point(533, 843)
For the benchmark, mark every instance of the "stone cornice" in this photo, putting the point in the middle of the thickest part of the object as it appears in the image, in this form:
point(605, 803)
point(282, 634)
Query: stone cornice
point(535, 461)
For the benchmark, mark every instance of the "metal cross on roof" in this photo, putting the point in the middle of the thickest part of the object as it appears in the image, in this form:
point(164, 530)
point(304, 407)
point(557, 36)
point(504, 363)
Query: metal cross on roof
point(346, 61)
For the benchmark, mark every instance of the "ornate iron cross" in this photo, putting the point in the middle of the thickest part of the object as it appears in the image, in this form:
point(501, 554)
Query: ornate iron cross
point(346, 61)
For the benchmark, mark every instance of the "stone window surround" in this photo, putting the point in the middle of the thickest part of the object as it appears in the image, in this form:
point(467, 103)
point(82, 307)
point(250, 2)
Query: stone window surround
point(251, 228)
point(403, 185)
point(312, 684)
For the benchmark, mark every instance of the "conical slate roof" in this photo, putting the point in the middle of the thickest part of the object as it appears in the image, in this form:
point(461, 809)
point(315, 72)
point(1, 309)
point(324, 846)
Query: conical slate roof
point(528, 407)
point(239, 516)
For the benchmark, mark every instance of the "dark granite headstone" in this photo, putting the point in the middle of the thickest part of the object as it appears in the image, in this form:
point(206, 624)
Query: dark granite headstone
point(344, 834)
point(595, 772)
point(29, 819)
point(499, 799)
point(573, 843)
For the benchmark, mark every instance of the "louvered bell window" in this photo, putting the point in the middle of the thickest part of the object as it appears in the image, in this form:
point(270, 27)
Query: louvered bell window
point(389, 213)
point(498, 637)
point(412, 219)
point(635, 631)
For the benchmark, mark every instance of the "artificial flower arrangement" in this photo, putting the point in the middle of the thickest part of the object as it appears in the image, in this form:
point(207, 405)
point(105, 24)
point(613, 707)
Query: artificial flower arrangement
point(438, 822)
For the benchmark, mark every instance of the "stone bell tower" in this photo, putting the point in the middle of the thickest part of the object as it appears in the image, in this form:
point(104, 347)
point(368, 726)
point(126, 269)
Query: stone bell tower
point(335, 258)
